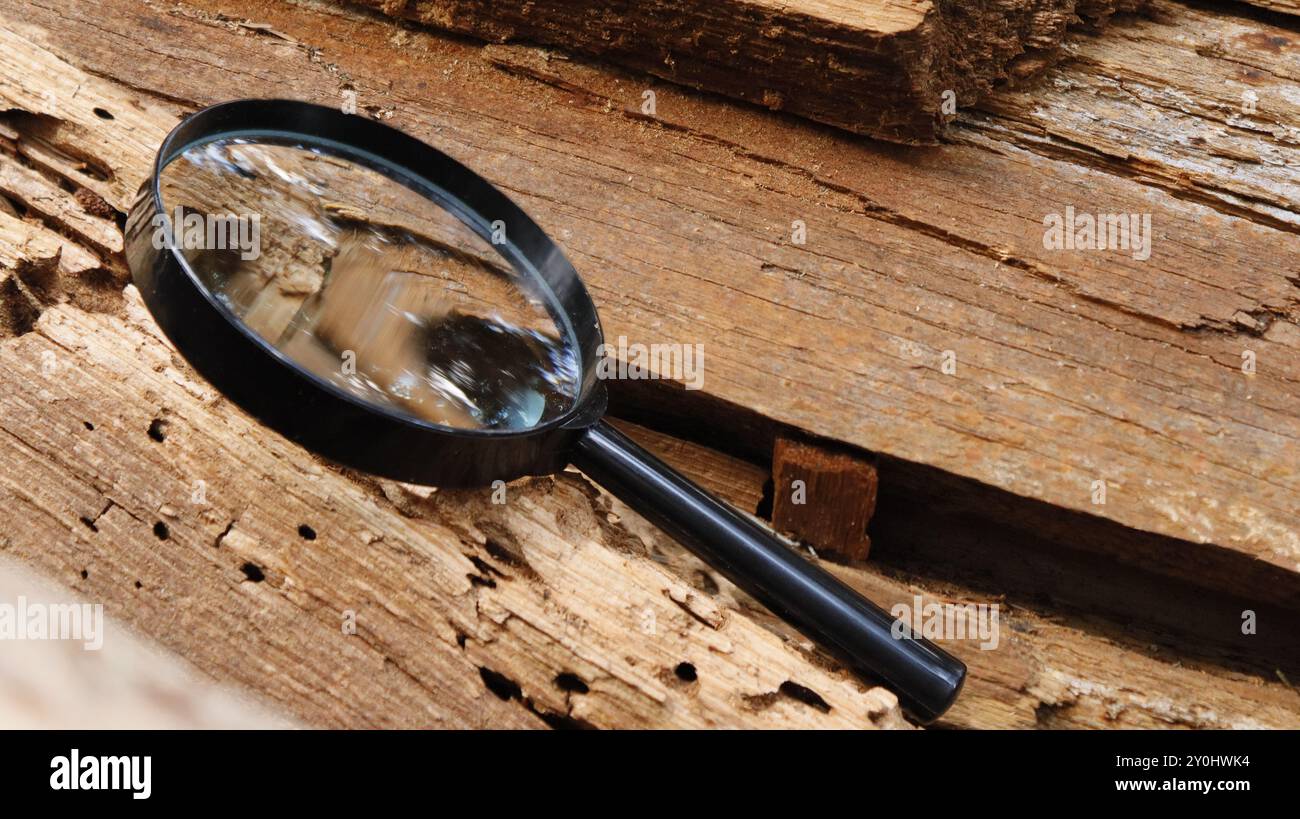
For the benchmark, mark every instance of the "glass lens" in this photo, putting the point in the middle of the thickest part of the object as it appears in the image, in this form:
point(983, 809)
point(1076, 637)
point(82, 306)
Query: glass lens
point(370, 284)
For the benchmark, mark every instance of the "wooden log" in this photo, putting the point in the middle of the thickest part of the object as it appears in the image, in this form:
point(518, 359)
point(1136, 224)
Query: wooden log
point(911, 256)
point(1043, 674)
point(143, 489)
point(229, 582)
point(1223, 87)
point(383, 653)
point(1177, 359)
point(823, 497)
point(876, 67)
point(1048, 669)
point(1130, 322)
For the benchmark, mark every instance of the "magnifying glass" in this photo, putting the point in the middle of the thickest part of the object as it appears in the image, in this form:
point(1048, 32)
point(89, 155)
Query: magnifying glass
point(379, 303)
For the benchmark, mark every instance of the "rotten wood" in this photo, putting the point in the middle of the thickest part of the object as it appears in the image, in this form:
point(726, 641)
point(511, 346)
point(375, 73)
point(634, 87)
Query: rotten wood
point(258, 588)
point(1069, 366)
point(38, 265)
point(1133, 330)
point(1195, 103)
point(80, 216)
point(823, 496)
point(1047, 668)
point(880, 67)
point(141, 488)
point(1068, 336)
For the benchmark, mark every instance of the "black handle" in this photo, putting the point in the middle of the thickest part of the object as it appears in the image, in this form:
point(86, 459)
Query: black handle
point(925, 677)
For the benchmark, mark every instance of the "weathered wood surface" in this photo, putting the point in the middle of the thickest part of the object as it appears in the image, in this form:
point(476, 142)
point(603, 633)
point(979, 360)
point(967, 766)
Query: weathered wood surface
point(561, 592)
point(36, 265)
point(1072, 367)
point(681, 245)
point(130, 480)
point(1089, 363)
point(324, 596)
point(1198, 104)
point(878, 67)
point(1047, 670)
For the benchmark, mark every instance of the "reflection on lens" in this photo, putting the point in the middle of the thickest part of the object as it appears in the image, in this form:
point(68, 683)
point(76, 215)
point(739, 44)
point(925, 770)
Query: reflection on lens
point(369, 284)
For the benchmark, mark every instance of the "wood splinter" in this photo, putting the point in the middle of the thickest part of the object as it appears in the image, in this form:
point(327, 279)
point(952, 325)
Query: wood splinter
point(824, 497)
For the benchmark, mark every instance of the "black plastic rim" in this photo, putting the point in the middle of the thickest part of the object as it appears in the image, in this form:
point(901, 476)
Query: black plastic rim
point(302, 406)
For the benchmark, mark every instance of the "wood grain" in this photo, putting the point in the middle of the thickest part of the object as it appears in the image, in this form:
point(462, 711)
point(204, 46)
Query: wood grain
point(1049, 668)
point(143, 489)
point(1069, 367)
point(561, 600)
point(877, 67)
point(1100, 321)
point(1198, 104)
point(910, 253)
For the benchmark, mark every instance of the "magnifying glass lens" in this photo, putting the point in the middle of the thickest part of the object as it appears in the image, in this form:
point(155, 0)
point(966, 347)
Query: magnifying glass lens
point(366, 282)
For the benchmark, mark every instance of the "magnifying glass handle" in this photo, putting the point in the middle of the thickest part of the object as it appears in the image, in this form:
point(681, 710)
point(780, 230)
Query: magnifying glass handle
point(925, 677)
